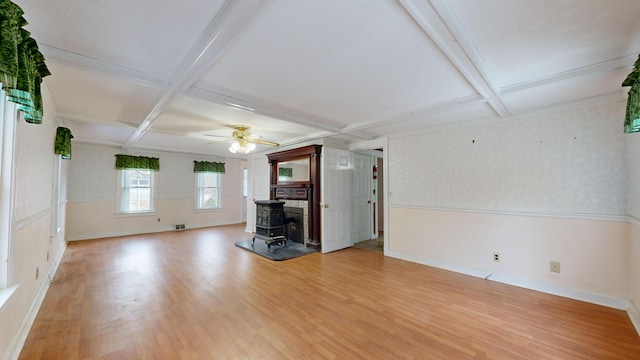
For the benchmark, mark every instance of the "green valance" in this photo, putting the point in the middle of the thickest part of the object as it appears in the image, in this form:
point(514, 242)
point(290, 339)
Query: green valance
point(285, 172)
point(632, 117)
point(22, 66)
point(206, 166)
point(63, 142)
point(137, 162)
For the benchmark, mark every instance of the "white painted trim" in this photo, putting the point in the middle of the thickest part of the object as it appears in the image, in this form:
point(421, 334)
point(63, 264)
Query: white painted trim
point(633, 220)
point(578, 216)
point(146, 231)
point(578, 74)
point(19, 224)
point(94, 236)
point(247, 103)
point(228, 24)
point(604, 300)
point(438, 27)
point(15, 347)
point(100, 67)
point(10, 116)
point(5, 293)
point(423, 112)
point(634, 315)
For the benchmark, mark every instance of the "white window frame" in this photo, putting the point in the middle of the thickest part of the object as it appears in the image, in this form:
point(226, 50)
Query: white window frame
point(124, 184)
point(56, 226)
point(10, 117)
point(199, 195)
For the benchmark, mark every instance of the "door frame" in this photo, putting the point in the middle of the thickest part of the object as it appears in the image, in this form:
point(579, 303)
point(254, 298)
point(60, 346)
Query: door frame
point(372, 147)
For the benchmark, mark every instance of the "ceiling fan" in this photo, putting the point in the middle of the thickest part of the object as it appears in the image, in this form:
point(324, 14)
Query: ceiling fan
point(243, 142)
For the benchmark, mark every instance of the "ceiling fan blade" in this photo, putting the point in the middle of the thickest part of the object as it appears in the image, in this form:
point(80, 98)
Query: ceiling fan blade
point(265, 142)
point(220, 136)
point(219, 141)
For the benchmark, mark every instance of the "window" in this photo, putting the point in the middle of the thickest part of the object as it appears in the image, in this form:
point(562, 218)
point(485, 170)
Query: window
point(208, 190)
point(9, 115)
point(136, 191)
point(245, 183)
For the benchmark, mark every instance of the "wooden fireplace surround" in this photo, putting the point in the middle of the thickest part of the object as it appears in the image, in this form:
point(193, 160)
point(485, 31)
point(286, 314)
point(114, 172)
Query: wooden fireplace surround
point(300, 190)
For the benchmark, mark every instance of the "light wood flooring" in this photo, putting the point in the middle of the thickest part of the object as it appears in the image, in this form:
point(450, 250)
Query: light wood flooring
point(376, 245)
point(194, 295)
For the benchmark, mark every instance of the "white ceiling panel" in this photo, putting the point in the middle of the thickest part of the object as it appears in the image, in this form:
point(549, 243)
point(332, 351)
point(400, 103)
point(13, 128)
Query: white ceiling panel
point(524, 40)
point(159, 141)
point(469, 113)
point(160, 74)
point(99, 133)
point(345, 61)
point(131, 34)
point(85, 95)
point(567, 91)
point(194, 117)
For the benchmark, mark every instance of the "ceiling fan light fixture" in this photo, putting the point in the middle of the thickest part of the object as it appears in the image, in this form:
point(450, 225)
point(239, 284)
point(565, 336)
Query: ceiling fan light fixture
point(242, 146)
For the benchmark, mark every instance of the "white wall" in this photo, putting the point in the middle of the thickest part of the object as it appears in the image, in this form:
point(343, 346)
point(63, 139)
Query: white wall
point(633, 197)
point(92, 205)
point(535, 189)
point(34, 248)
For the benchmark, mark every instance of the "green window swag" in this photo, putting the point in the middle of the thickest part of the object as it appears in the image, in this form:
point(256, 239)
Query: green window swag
point(207, 166)
point(137, 162)
point(632, 118)
point(22, 66)
point(63, 142)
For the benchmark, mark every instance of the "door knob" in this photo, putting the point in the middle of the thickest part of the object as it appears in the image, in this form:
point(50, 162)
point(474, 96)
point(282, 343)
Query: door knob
point(326, 206)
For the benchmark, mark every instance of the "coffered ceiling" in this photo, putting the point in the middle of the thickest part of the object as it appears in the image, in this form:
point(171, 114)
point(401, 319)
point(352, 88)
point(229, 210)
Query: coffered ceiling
point(163, 75)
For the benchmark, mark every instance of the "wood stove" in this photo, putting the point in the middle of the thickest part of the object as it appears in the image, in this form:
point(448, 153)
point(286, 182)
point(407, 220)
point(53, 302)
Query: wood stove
point(270, 222)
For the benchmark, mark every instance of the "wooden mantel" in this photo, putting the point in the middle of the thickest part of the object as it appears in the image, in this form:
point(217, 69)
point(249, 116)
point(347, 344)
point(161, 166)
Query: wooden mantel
point(300, 190)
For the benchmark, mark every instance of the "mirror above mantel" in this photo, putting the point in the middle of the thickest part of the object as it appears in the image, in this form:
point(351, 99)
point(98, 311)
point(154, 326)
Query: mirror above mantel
point(296, 170)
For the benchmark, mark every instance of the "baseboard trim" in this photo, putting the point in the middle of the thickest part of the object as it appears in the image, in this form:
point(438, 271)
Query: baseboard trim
point(118, 233)
point(140, 232)
point(30, 317)
point(604, 300)
point(634, 315)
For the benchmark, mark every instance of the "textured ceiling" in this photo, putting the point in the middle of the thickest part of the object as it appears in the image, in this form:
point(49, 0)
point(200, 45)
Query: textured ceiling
point(160, 74)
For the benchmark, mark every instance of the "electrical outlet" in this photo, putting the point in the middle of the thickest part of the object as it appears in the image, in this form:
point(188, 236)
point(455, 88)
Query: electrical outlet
point(496, 256)
point(47, 256)
point(37, 273)
point(554, 266)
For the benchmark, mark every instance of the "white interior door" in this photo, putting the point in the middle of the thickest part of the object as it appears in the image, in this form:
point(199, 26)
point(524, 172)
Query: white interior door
point(336, 179)
point(259, 185)
point(362, 170)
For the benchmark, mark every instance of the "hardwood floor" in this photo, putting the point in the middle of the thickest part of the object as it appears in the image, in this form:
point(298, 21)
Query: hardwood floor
point(194, 295)
point(371, 244)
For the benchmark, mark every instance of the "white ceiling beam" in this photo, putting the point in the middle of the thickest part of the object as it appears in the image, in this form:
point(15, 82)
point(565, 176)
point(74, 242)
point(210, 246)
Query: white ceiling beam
point(439, 23)
point(221, 31)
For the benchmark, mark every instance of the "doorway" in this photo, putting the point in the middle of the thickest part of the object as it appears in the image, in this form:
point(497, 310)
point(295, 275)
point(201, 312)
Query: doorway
point(369, 200)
